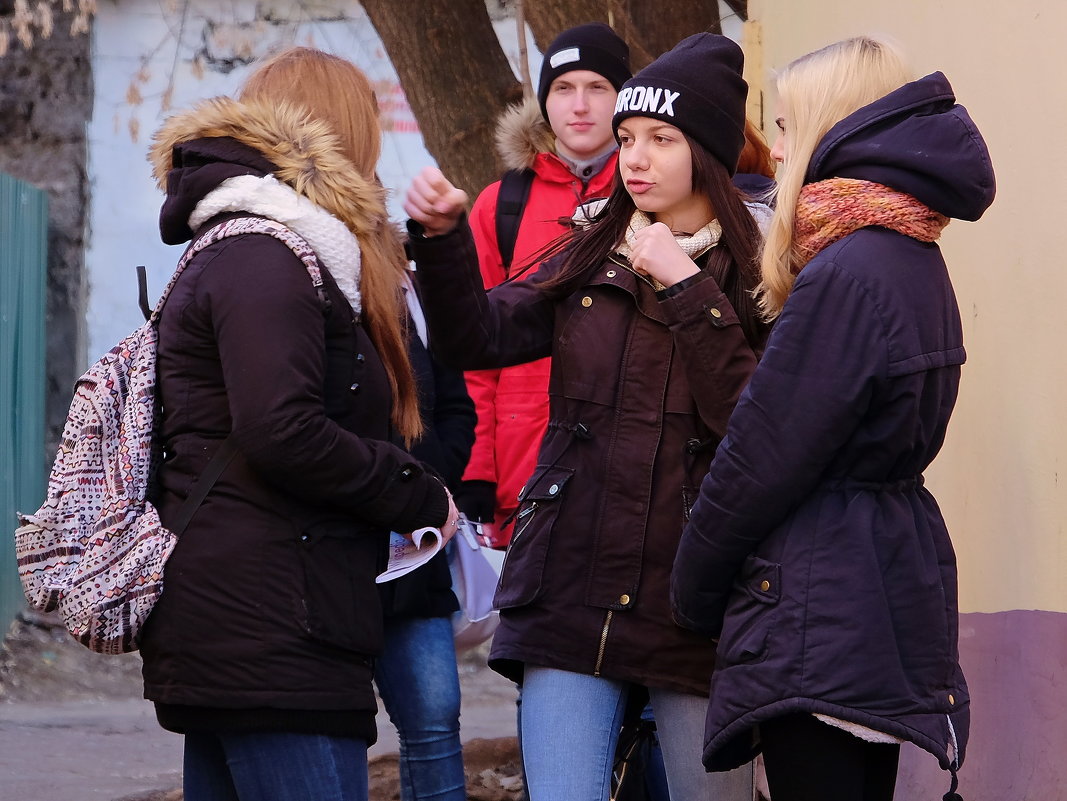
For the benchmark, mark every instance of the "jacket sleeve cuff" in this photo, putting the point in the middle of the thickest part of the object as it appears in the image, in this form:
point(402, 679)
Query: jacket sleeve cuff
point(415, 498)
point(697, 297)
point(685, 283)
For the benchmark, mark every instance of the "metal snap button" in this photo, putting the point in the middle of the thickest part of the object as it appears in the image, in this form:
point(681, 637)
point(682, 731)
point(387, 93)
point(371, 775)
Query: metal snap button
point(587, 301)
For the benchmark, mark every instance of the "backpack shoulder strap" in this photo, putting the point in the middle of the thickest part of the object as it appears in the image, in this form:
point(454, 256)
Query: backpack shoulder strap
point(239, 226)
point(200, 489)
point(510, 204)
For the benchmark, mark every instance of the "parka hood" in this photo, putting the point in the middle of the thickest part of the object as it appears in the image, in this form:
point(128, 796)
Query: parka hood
point(917, 140)
point(196, 150)
point(522, 134)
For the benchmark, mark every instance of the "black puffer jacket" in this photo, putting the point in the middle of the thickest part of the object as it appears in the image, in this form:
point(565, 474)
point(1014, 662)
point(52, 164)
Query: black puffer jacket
point(814, 552)
point(270, 617)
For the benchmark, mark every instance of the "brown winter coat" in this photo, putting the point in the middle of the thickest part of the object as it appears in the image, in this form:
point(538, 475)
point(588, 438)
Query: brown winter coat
point(640, 393)
point(270, 617)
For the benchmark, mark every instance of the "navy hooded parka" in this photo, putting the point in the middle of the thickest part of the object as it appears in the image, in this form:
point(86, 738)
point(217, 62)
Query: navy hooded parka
point(814, 553)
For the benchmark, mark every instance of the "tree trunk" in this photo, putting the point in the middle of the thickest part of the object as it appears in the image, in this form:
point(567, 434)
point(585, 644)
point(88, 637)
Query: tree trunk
point(649, 28)
point(456, 78)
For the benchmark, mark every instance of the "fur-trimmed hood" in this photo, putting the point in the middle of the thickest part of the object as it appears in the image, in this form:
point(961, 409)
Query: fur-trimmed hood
point(522, 134)
point(299, 151)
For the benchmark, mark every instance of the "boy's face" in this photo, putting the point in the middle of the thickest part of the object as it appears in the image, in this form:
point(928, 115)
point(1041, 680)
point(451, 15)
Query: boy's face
point(580, 105)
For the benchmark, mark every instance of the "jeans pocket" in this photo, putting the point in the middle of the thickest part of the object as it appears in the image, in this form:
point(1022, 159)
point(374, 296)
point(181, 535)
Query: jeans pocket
point(521, 576)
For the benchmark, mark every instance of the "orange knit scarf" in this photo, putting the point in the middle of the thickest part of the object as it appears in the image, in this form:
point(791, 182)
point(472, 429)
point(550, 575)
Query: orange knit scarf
point(832, 209)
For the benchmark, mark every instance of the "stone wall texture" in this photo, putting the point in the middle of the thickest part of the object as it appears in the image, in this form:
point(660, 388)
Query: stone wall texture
point(46, 99)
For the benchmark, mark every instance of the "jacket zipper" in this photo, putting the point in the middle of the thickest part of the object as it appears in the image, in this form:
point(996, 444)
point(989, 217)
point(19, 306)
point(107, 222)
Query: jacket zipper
point(627, 266)
point(603, 642)
point(527, 512)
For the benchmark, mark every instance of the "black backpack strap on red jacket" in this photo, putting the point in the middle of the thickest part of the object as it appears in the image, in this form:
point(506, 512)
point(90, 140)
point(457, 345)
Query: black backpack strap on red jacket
point(510, 204)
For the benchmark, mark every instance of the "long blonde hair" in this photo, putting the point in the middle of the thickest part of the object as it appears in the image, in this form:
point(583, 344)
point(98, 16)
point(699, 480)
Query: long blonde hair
point(815, 93)
point(334, 92)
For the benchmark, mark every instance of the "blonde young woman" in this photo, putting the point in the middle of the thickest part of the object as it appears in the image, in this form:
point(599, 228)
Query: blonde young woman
point(814, 554)
point(261, 649)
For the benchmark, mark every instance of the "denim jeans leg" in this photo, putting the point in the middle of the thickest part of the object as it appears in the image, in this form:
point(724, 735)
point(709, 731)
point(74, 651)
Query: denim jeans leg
point(525, 795)
point(206, 776)
point(655, 772)
point(680, 727)
point(419, 685)
point(275, 766)
point(570, 725)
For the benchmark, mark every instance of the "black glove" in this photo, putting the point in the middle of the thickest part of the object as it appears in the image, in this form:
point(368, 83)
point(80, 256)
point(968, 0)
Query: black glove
point(477, 500)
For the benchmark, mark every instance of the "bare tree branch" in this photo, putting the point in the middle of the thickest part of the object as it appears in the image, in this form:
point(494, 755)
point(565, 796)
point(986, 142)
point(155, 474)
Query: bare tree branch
point(739, 7)
point(456, 78)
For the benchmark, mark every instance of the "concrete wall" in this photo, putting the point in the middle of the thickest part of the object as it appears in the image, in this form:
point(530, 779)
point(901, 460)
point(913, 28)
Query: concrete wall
point(997, 479)
point(46, 96)
point(141, 53)
point(149, 63)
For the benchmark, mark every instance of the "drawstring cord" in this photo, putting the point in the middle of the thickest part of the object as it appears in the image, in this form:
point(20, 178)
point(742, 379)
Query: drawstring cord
point(577, 431)
point(952, 795)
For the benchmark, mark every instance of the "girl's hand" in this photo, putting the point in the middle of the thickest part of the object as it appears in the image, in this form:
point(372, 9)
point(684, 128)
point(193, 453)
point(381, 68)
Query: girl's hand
point(656, 253)
point(434, 202)
point(451, 526)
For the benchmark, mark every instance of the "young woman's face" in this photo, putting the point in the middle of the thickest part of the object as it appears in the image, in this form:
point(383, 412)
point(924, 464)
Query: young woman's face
point(778, 151)
point(656, 166)
point(580, 105)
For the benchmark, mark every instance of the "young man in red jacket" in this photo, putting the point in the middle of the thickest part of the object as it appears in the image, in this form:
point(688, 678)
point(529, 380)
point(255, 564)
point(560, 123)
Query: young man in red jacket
point(563, 152)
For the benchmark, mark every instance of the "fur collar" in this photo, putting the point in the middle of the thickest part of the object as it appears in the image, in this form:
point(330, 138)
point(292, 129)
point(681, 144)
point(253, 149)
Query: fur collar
point(336, 247)
point(522, 134)
point(305, 152)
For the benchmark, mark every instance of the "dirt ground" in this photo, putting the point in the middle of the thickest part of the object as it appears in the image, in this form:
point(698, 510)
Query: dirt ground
point(73, 727)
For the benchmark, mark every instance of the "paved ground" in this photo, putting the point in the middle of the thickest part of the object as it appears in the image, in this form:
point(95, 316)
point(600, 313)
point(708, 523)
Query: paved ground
point(73, 727)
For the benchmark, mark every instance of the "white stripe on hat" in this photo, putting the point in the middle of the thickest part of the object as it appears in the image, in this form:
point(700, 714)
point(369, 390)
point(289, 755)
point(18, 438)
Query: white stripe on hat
point(567, 56)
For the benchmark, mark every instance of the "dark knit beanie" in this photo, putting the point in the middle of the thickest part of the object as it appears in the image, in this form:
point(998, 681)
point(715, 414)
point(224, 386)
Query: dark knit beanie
point(594, 47)
point(696, 87)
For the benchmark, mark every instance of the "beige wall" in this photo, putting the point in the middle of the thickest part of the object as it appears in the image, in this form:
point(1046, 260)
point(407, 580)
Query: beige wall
point(998, 479)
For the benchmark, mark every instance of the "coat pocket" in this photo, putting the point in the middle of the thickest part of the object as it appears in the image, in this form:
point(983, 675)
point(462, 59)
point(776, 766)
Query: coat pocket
point(750, 612)
point(339, 603)
point(522, 574)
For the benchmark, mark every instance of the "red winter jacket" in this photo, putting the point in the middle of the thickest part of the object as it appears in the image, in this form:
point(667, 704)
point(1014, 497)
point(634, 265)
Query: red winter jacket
point(512, 402)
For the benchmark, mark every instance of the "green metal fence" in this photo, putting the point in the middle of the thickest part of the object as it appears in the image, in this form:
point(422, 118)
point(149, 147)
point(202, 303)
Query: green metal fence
point(23, 266)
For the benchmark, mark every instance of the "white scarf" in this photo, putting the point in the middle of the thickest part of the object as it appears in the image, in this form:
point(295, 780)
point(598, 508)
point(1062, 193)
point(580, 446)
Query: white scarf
point(693, 244)
point(336, 247)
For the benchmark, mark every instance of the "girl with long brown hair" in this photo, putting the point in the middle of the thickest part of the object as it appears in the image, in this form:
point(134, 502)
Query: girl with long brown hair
point(649, 316)
point(281, 343)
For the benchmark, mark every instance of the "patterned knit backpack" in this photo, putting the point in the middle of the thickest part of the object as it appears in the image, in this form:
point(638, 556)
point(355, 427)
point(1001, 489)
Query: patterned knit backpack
point(96, 548)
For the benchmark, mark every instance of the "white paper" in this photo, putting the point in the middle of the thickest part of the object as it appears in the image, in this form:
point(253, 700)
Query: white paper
point(407, 554)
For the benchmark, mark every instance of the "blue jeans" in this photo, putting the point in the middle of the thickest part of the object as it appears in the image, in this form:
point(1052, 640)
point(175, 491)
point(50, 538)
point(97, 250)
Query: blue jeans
point(270, 766)
point(570, 725)
point(419, 685)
